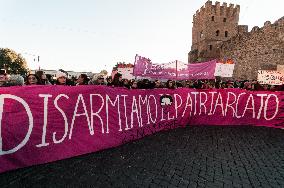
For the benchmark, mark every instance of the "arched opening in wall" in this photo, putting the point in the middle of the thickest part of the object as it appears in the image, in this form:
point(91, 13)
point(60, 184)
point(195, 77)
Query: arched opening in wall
point(224, 19)
point(217, 33)
point(226, 34)
point(212, 18)
point(201, 34)
point(210, 47)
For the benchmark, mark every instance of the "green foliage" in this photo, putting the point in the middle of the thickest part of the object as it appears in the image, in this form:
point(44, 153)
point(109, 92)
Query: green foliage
point(13, 63)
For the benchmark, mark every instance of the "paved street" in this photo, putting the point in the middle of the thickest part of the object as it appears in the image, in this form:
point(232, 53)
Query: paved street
point(204, 156)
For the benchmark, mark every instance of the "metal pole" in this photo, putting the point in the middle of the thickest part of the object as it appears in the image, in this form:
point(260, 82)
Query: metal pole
point(38, 62)
point(176, 70)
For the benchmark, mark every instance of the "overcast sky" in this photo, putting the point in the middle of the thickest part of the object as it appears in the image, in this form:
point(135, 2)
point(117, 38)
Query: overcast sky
point(91, 35)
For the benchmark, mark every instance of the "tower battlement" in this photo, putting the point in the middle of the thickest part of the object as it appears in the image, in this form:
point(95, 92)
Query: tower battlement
point(217, 10)
point(213, 24)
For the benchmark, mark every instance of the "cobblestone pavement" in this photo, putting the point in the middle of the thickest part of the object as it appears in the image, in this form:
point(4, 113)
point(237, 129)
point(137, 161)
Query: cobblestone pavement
point(204, 156)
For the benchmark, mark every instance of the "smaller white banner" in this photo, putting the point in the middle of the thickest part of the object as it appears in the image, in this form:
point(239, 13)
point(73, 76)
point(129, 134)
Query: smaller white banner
point(224, 70)
point(270, 77)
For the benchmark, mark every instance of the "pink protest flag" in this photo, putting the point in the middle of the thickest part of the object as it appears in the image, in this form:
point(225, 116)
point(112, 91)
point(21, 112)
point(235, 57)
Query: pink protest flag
point(202, 71)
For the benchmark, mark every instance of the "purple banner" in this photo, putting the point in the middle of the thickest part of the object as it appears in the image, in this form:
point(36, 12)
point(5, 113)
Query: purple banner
point(202, 70)
point(40, 124)
point(175, 70)
point(145, 68)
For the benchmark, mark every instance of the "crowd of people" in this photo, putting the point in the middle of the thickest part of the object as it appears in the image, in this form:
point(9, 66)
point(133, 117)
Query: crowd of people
point(39, 78)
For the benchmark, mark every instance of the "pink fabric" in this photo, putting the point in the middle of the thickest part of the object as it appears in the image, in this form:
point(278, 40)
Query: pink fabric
point(145, 68)
point(174, 70)
point(91, 118)
point(202, 71)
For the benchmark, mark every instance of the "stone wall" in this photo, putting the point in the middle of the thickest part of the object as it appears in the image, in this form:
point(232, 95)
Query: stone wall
point(259, 49)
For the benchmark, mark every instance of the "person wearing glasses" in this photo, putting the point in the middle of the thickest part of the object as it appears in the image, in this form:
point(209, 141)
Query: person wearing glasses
point(32, 79)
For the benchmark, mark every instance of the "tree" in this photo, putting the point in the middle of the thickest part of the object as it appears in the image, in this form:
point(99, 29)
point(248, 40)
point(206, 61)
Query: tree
point(13, 63)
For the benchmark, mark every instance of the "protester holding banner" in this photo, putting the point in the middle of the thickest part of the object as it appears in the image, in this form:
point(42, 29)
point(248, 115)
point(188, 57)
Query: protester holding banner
point(265, 87)
point(109, 81)
point(15, 80)
point(170, 84)
point(133, 84)
point(32, 79)
point(158, 84)
point(273, 88)
point(117, 80)
point(126, 83)
point(82, 80)
point(42, 78)
point(99, 80)
point(60, 78)
point(230, 84)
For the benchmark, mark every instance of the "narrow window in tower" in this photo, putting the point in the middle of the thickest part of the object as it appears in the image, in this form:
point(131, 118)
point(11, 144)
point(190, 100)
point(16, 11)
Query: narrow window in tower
point(217, 33)
point(210, 47)
point(201, 34)
point(224, 19)
point(212, 18)
point(226, 33)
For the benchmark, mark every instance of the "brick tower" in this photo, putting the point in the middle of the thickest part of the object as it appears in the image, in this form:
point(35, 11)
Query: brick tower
point(212, 25)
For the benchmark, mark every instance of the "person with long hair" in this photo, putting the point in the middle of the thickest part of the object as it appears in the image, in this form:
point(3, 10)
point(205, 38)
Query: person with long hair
point(82, 80)
point(109, 81)
point(126, 83)
point(158, 84)
point(42, 78)
point(117, 80)
point(32, 79)
point(170, 84)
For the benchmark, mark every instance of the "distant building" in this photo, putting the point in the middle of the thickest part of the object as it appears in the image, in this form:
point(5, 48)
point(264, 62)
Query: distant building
point(125, 69)
point(77, 74)
point(70, 73)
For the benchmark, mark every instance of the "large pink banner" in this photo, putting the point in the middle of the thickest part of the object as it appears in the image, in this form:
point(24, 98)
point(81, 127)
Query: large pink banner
point(175, 70)
point(203, 71)
point(46, 123)
point(145, 68)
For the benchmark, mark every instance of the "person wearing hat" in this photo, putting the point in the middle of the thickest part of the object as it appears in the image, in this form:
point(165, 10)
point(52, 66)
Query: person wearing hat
point(16, 80)
point(60, 78)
